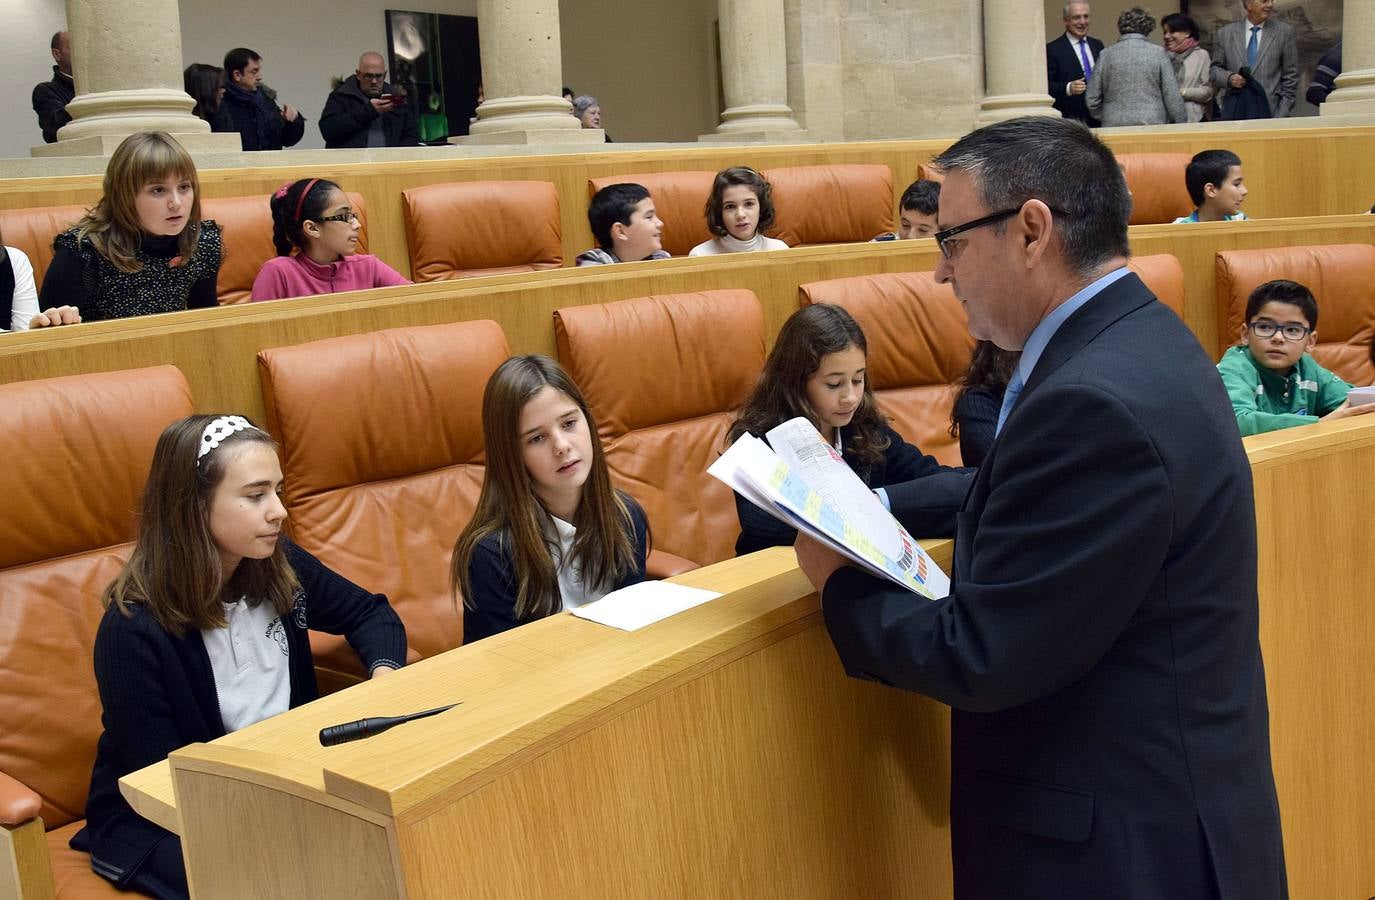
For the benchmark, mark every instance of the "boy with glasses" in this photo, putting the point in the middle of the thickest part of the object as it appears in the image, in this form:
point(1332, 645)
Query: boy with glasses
point(1271, 378)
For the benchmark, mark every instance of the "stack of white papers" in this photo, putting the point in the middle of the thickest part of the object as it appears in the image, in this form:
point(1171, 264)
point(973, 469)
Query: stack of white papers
point(1361, 396)
point(809, 486)
point(643, 604)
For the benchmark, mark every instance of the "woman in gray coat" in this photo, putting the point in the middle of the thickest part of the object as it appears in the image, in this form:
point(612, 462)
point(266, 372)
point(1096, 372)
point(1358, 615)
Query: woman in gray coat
point(1134, 83)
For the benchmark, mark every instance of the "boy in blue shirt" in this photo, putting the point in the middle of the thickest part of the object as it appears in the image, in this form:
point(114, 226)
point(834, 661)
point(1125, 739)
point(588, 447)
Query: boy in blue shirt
point(1216, 186)
point(1271, 379)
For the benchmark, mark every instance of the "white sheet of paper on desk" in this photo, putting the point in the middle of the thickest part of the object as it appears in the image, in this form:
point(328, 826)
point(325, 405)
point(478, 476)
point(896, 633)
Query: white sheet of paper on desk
point(643, 604)
point(1361, 396)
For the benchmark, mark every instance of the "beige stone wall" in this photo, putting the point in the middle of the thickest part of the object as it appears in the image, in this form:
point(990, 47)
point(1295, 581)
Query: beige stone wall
point(872, 69)
point(652, 65)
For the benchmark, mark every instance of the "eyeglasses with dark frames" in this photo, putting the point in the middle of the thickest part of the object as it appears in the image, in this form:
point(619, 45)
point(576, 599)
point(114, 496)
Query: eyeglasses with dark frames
point(943, 237)
point(1265, 329)
point(346, 216)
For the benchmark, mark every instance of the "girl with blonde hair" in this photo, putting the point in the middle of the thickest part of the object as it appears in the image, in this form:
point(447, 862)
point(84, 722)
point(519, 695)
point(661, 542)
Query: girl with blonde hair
point(142, 248)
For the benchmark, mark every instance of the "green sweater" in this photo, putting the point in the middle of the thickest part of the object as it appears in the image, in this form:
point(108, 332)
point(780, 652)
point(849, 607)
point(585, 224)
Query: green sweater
point(1267, 401)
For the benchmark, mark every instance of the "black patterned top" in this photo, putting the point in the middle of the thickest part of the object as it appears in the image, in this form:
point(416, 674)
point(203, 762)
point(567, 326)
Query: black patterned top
point(79, 276)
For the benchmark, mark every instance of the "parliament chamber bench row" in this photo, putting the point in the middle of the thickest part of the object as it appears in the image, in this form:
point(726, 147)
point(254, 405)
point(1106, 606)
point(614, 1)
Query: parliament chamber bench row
point(1220, 262)
point(379, 488)
point(476, 228)
point(1291, 173)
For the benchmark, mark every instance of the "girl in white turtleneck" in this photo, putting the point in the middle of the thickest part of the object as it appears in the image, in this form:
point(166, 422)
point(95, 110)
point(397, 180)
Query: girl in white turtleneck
point(739, 209)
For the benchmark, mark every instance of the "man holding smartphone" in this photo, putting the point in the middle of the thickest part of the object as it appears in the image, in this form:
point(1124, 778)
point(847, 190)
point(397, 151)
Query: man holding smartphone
point(365, 111)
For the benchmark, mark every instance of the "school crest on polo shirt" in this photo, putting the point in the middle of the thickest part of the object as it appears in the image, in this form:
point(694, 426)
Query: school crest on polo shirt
point(298, 609)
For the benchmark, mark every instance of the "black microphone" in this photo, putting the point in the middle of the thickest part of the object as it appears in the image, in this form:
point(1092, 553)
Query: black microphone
point(353, 731)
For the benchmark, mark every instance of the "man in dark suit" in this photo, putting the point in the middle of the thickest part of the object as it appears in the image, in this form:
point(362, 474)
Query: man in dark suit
point(1070, 59)
point(1267, 48)
point(1099, 648)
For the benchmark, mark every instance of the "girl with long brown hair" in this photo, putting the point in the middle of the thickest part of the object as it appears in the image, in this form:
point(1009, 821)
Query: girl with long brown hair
point(142, 248)
point(817, 370)
point(550, 532)
point(205, 630)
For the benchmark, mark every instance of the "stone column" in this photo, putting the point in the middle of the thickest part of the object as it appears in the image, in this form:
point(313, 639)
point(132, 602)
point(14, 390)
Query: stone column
point(126, 62)
point(754, 74)
point(522, 70)
point(1355, 93)
point(1014, 61)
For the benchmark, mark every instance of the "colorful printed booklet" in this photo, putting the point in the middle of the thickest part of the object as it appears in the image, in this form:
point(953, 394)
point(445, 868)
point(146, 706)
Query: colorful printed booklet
point(800, 479)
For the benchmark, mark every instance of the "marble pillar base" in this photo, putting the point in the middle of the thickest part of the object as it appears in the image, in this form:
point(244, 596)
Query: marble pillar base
point(1001, 107)
point(590, 137)
point(105, 144)
point(770, 136)
point(1354, 96)
point(757, 118)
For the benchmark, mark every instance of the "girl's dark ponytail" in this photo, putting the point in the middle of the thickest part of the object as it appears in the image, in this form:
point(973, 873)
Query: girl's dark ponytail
point(292, 205)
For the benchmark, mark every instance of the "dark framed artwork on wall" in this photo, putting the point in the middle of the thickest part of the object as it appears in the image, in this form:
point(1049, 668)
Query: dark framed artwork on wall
point(435, 59)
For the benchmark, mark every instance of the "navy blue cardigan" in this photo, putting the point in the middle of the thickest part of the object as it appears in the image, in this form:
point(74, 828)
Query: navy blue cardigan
point(158, 695)
point(492, 579)
point(922, 494)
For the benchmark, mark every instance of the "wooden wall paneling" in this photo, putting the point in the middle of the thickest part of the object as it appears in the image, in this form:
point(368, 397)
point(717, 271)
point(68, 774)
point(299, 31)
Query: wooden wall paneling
point(217, 349)
point(1313, 495)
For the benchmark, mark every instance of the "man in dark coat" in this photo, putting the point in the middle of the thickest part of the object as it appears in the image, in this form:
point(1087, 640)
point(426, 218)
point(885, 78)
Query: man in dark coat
point(252, 107)
point(1100, 645)
point(365, 111)
point(50, 98)
point(1070, 60)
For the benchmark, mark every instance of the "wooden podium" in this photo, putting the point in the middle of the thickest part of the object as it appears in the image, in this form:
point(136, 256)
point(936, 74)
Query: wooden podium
point(721, 752)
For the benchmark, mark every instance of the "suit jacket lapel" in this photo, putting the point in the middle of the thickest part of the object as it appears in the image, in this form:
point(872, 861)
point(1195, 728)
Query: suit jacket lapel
point(1267, 37)
point(1074, 53)
point(1110, 304)
point(1118, 299)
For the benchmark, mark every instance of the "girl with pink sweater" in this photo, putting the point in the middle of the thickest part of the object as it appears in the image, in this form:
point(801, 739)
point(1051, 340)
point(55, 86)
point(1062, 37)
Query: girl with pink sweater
point(313, 217)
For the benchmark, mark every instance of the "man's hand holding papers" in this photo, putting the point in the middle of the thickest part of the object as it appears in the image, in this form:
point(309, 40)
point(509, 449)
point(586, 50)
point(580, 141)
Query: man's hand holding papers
point(800, 479)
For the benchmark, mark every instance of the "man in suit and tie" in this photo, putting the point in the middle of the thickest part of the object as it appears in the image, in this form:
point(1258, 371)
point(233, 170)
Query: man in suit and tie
point(1099, 647)
point(1070, 59)
point(1265, 46)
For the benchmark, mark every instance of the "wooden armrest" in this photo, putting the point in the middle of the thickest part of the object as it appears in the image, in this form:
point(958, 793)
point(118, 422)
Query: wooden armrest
point(25, 869)
point(330, 678)
point(18, 803)
point(665, 565)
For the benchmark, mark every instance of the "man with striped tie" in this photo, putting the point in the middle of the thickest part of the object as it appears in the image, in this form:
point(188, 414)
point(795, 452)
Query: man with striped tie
point(1266, 49)
point(1070, 59)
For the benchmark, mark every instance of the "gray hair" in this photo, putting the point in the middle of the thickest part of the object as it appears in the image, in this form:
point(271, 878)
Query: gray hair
point(583, 103)
point(1069, 3)
point(1059, 162)
point(1137, 20)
